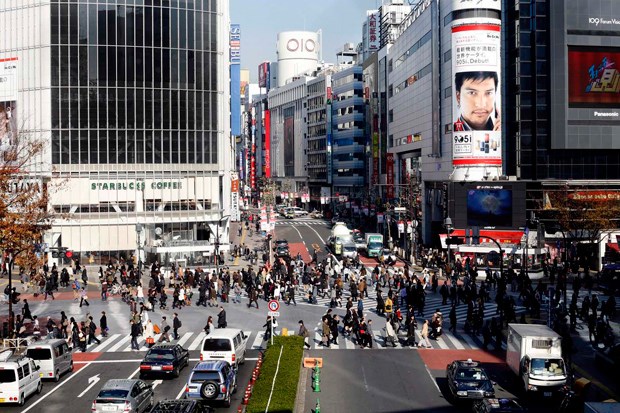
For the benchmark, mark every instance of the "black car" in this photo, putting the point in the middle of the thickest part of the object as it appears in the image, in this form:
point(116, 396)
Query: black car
point(497, 406)
point(164, 359)
point(280, 243)
point(282, 251)
point(468, 380)
point(181, 406)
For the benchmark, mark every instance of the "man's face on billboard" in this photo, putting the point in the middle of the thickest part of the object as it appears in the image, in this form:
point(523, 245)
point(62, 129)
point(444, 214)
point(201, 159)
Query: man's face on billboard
point(477, 101)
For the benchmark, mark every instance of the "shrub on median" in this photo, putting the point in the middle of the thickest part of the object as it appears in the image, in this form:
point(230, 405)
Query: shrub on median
point(285, 390)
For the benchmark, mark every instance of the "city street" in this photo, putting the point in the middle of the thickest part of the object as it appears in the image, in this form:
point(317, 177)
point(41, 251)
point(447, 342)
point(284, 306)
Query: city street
point(113, 358)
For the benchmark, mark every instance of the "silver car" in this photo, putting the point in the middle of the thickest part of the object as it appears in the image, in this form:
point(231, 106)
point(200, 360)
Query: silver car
point(121, 395)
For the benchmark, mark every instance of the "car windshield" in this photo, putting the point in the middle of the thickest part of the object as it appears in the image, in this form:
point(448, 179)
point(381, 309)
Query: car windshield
point(159, 355)
point(375, 245)
point(200, 376)
point(7, 376)
point(216, 344)
point(349, 248)
point(471, 373)
point(548, 367)
point(112, 394)
point(39, 353)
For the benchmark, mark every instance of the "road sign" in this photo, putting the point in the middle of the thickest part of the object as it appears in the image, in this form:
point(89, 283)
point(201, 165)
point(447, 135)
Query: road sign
point(273, 305)
point(273, 313)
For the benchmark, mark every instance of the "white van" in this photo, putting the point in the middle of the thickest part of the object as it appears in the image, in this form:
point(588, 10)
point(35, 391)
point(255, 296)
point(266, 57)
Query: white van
point(52, 356)
point(228, 344)
point(19, 378)
point(297, 211)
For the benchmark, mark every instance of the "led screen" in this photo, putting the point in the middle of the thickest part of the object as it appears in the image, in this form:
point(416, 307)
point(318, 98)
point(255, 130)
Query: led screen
point(593, 77)
point(489, 208)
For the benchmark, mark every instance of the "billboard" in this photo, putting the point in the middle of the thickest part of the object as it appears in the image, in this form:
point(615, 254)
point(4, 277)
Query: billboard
point(235, 44)
point(593, 77)
point(289, 142)
point(264, 75)
point(476, 97)
point(267, 158)
point(489, 205)
point(372, 32)
point(8, 107)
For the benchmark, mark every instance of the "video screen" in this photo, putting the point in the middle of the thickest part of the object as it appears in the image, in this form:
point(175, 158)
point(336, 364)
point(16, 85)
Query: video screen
point(593, 77)
point(489, 207)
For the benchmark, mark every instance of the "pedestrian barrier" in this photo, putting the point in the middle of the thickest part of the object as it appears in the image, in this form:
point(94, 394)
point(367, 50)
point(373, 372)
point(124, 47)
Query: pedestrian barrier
point(316, 378)
point(311, 362)
point(317, 407)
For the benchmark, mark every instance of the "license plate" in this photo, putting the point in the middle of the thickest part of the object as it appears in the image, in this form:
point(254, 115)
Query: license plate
point(548, 394)
point(156, 368)
point(40, 374)
point(109, 408)
point(2, 400)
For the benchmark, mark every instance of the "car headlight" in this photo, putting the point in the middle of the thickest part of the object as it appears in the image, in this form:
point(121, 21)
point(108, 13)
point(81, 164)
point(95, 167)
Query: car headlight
point(461, 393)
point(532, 388)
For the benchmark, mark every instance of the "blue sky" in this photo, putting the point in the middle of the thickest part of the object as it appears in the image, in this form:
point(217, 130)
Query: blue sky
point(261, 21)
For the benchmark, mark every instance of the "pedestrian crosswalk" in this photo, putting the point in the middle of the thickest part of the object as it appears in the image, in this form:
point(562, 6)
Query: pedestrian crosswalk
point(303, 222)
point(256, 341)
point(433, 301)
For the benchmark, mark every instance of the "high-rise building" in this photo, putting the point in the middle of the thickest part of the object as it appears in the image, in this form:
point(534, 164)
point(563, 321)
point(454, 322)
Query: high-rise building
point(132, 102)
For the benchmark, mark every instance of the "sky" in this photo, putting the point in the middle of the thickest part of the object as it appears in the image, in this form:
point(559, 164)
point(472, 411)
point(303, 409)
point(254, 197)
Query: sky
point(261, 21)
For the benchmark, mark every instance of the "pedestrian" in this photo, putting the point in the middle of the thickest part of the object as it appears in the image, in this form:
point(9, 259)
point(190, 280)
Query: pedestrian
point(165, 328)
point(103, 324)
point(92, 329)
point(303, 332)
point(425, 341)
point(135, 332)
point(26, 311)
point(83, 297)
point(149, 334)
point(176, 324)
point(452, 317)
point(209, 326)
point(268, 326)
point(411, 327)
point(221, 318)
point(390, 334)
point(82, 339)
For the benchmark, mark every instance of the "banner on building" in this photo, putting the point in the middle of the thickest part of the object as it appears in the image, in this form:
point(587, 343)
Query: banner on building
point(8, 108)
point(389, 165)
point(372, 33)
point(267, 140)
point(476, 98)
point(264, 75)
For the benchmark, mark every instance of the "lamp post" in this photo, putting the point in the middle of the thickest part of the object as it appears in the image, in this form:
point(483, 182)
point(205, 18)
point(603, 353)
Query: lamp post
point(448, 225)
point(217, 245)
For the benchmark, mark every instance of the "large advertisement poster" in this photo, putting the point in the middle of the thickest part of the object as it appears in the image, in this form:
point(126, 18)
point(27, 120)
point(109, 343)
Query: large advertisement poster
point(593, 77)
point(476, 103)
point(8, 108)
point(289, 142)
point(267, 158)
point(263, 75)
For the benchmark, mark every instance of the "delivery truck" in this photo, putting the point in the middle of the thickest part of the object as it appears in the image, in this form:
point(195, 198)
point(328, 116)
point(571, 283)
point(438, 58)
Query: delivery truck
point(534, 353)
point(374, 245)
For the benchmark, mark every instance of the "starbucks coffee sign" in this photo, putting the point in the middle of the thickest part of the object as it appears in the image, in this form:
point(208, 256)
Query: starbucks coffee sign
point(134, 186)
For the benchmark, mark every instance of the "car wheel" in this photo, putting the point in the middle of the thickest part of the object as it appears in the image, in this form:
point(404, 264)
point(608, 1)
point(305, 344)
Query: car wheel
point(209, 390)
point(39, 387)
point(57, 376)
point(227, 402)
point(175, 372)
point(21, 399)
point(71, 366)
point(235, 386)
point(242, 359)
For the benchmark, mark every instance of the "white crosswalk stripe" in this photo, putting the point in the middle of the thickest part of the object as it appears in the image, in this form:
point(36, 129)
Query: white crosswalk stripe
point(256, 340)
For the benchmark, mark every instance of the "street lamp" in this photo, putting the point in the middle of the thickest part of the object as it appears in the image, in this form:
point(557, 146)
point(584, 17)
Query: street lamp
point(217, 245)
point(449, 228)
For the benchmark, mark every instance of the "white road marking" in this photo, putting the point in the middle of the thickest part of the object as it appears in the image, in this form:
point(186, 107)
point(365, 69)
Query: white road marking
point(120, 343)
point(185, 338)
point(106, 343)
point(197, 341)
point(455, 341)
point(470, 342)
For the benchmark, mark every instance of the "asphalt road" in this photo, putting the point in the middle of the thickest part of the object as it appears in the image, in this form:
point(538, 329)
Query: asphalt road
point(82, 386)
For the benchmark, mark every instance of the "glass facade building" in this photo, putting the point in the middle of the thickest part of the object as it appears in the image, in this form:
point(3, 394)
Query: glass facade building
point(133, 101)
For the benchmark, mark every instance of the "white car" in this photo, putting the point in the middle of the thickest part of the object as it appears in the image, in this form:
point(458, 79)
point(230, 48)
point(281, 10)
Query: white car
point(297, 211)
point(19, 378)
point(349, 250)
